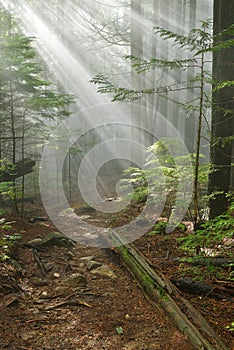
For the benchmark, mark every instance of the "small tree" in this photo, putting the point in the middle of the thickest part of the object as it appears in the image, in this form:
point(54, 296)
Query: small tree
point(199, 43)
point(27, 100)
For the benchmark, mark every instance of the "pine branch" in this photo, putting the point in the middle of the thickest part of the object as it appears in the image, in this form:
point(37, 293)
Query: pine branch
point(143, 65)
point(223, 84)
point(125, 94)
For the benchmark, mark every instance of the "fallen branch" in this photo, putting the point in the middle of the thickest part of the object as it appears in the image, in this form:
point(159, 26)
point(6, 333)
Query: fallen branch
point(162, 292)
point(39, 262)
point(198, 287)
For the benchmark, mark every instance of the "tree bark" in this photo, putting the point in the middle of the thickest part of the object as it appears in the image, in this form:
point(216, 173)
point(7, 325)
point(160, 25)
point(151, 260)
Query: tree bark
point(222, 123)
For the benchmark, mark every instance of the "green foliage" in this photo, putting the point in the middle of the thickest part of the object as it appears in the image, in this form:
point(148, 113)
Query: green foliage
point(212, 234)
point(159, 228)
point(5, 188)
point(231, 327)
point(142, 66)
point(198, 42)
point(231, 274)
point(119, 330)
point(20, 74)
point(6, 167)
point(162, 173)
point(125, 94)
point(27, 100)
point(7, 240)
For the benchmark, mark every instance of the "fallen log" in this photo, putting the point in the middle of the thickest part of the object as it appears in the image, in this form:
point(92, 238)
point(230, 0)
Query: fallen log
point(163, 293)
point(14, 171)
point(200, 288)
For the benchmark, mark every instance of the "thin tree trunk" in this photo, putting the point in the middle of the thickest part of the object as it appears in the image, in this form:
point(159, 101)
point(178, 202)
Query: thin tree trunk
point(197, 159)
point(13, 133)
point(69, 175)
point(22, 153)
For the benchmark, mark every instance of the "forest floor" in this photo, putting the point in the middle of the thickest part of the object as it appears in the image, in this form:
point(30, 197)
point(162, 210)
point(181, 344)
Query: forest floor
point(55, 300)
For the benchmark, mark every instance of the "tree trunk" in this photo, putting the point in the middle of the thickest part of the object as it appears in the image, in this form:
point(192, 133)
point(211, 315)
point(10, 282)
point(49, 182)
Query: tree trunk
point(222, 123)
point(136, 79)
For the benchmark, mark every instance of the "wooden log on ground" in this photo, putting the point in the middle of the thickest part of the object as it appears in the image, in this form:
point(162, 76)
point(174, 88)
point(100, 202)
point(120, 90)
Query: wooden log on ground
point(161, 292)
point(200, 288)
point(21, 168)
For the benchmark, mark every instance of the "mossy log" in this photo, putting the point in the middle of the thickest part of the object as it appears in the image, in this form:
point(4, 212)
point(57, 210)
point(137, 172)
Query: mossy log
point(161, 291)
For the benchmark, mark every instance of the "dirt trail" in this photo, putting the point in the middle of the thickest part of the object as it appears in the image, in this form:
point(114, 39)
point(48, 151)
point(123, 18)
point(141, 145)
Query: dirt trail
point(51, 311)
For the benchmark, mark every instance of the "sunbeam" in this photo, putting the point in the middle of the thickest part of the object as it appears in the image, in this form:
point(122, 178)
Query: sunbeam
point(78, 40)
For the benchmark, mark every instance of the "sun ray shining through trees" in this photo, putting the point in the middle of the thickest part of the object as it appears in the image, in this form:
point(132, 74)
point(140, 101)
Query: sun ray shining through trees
point(116, 136)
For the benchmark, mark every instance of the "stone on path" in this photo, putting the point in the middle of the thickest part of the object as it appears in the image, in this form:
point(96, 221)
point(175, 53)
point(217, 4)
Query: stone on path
point(86, 259)
point(104, 271)
point(91, 265)
point(75, 280)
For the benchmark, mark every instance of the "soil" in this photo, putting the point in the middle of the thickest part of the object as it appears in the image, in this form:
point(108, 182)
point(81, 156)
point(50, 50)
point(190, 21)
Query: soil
point(38, 312)
point(217, 304)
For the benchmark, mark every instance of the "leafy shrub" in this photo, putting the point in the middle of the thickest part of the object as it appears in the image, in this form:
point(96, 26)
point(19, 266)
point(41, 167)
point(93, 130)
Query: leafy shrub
point(163, 172)
point(7, 240)
point(212, 234)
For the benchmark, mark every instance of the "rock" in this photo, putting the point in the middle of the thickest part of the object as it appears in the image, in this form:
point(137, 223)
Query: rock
point(91, 265)
point(86, 259)
point(104, 271)
point(50, 240)
point(75, 280)
point(57, 239)
point(85, 210)
point(34, 243)
point(34, 219)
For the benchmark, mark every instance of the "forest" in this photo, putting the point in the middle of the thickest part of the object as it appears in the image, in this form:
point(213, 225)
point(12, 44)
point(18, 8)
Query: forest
point(116, 174)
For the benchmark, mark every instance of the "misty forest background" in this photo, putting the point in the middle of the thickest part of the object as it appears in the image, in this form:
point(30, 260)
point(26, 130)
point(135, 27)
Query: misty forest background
point(173, 58)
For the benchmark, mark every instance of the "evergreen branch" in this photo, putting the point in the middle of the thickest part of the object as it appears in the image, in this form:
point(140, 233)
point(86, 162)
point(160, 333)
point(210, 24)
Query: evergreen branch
point(125, 94)
point(197, 38)
point(223, 84)
point(219, 42)
point(217, 47)
point(145, 65)
point(227, 31)
point(180, 40)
